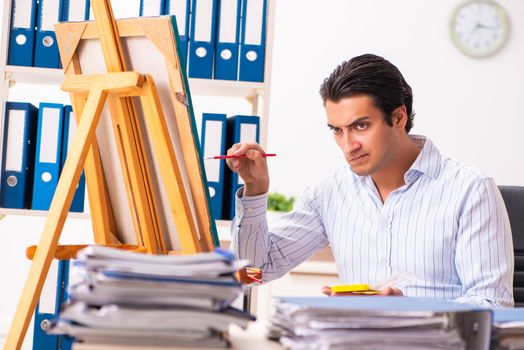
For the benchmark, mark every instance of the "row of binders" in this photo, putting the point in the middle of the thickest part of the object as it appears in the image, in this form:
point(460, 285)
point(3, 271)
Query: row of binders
point(219, 133)
point(226, 40)
point(124, 298)
point(32, 39)
point(220, 39)
point(370, 322)
point(34, 151)
point(36, 143)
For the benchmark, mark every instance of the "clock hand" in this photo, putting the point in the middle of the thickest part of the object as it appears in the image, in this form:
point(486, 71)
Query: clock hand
point(480, 25)
point(477, 27)
point(483, 26)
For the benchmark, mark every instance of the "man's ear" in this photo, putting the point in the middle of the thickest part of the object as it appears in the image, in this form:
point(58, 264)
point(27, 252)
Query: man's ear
point(399, 117)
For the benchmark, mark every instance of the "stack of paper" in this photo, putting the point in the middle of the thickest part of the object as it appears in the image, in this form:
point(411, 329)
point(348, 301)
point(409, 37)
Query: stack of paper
point(362, 322)
point(125, 298)
point(508, 329)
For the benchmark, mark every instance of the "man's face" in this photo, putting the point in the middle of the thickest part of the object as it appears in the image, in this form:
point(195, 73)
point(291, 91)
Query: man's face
point(360, 130)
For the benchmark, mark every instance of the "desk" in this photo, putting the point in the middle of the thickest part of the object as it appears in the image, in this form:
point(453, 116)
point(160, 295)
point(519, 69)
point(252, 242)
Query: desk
point(251, 339)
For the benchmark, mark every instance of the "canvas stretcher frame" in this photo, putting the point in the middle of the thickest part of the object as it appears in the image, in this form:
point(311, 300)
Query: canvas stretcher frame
point(156, 36)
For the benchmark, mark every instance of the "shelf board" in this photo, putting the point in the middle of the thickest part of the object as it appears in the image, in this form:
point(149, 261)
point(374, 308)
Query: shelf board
point(223, 223)
point(34, 75)
point(240, 89)
point(30, 212)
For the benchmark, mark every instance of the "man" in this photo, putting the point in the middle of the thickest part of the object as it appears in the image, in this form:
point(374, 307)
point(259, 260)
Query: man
point(397, 207)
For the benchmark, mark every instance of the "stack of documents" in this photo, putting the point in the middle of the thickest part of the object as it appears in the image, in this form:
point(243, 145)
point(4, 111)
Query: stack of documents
point(508, 329)
point(125, 298)
point(364, 322)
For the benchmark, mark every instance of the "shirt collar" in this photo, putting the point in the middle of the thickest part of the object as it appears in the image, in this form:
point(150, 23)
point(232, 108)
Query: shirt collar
point(429, 159)
point(428, 162)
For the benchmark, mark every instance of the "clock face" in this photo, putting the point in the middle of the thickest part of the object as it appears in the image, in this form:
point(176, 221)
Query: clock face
point(479, 28)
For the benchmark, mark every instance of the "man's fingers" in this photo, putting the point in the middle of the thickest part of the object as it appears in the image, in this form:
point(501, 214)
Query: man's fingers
point(252, 166)
point(252, 151)
point(234, 148)
point(236, 163)
point(327, 291)
point(244, 147)
point(391, 291)
point(241, 149)
point(385, 291)
point(254, 154)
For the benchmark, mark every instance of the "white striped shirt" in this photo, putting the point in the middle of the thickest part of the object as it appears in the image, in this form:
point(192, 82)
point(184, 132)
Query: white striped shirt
point(447, 225)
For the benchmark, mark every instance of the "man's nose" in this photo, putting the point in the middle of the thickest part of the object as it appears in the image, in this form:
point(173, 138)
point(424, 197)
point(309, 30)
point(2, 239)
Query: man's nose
point(350, 144)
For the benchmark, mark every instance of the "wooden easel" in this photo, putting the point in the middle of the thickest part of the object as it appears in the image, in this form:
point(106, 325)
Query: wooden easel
point(89, 94)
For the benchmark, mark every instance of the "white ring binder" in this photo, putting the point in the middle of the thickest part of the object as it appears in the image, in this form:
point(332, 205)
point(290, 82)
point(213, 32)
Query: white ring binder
point(226, 54)
point(21, 39)
point(251, 56)
point(201, 52)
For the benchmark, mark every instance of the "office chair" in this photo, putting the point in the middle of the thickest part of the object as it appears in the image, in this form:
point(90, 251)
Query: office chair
point(514, 199)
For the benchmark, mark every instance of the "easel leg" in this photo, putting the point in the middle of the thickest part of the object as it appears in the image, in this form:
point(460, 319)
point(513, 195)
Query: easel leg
point(169, 169)
point(55, 221)
point(100, 208)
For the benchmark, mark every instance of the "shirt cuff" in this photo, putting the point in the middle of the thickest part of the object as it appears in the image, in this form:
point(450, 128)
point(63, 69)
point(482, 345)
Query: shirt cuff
point(475, 300)
point(250, 209)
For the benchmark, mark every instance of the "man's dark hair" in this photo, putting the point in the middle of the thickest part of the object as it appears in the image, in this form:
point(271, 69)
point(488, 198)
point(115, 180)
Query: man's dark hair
point(373, 76)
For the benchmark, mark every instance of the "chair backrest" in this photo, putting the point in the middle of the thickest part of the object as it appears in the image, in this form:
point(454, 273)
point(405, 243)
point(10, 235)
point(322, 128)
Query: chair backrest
point(514, 199)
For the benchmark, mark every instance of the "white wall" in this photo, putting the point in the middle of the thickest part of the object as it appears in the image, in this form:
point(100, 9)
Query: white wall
point(472, 109)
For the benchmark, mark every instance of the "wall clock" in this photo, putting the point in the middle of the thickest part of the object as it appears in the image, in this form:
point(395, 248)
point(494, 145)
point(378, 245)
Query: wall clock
point(479, 28)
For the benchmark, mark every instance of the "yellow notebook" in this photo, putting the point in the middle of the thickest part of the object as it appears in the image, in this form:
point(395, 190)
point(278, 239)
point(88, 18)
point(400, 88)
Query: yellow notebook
point(354, 289)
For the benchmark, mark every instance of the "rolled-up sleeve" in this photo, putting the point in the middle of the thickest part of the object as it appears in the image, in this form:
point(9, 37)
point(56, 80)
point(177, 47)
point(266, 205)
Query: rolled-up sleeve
point(291, 240)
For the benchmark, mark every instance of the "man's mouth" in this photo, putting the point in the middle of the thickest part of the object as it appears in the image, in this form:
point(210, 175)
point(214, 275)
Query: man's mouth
point(358, 158)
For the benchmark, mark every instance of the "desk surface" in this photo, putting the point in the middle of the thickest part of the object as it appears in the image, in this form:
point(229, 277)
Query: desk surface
point(251, 339)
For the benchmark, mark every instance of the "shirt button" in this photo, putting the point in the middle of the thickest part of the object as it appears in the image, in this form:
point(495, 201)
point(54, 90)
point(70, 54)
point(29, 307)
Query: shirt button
point(249, 210)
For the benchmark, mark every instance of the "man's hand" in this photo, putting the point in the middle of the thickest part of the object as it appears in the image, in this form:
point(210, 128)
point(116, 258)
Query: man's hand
point(392, 291)
point(386, 291)
point(252, 169)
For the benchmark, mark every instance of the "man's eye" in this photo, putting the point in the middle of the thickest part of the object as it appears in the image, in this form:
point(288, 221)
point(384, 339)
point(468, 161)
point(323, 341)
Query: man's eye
point(335, 130)
point(361, 126)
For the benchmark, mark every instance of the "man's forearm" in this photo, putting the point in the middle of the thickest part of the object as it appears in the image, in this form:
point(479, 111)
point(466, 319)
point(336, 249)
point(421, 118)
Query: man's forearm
point(256, 189)
point(250, 232)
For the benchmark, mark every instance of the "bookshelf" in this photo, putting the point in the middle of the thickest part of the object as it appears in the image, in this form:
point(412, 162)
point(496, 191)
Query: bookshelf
point(257, 94)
